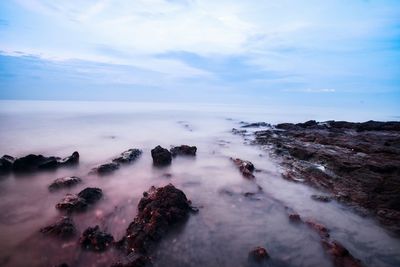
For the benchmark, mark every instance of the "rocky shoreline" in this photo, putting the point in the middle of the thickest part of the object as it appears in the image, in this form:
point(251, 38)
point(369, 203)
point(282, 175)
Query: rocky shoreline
point(354, 163)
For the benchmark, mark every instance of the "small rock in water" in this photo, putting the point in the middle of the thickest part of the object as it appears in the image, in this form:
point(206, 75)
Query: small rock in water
point(63, 228)
point(245, 167)
point(128, 156)
point(96, 240)
point(80, 201)
point(64, 182)
point(161, 156)
point(258, 254)
point(321, 198)
point(134, 260)
point(106, 168)
point(91, 194)
point(319, 228)
point(71, 203)
point(183, 150)
point(294, 217)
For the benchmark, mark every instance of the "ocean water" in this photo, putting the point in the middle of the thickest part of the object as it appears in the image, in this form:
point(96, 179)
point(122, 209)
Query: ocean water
point(227, 226)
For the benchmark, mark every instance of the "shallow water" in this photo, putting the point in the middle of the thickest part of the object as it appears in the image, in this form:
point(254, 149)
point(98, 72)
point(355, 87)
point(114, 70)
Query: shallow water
point(228, 224)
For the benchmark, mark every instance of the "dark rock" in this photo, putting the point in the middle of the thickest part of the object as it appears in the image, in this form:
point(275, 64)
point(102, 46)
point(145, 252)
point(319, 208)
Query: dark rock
point(258, 254)
point(158, 210)
point(91, 194)
point(63, 182)
point(245, 167)
point(321, 198)
point(63, 228)
point(62, 265)
point(294, 217)
point(134, 260)
point(33, 162)
point(73, 159)
point(6, 163)
point(256, 125)
point(71, 203)
point(183, 150)
point(340, 255)
point(319, 228)
point(128, 156)
point(81, 201)
point(95, 240)
point(161, 156)
point(238, 132)
point(106, 168)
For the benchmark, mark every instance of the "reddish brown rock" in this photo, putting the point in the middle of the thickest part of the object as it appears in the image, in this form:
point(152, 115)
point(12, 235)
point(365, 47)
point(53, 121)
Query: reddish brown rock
point(340, 255)
point(96, 240)
point(319, 228)
point(245, 167)
point(258, 254)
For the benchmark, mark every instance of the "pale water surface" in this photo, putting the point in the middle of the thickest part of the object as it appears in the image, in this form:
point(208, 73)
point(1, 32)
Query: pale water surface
point(226, 227)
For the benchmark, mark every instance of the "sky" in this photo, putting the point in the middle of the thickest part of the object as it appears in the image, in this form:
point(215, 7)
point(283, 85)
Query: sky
point(338, 53)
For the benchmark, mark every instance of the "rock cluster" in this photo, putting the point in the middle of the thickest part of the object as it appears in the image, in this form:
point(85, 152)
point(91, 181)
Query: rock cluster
point(245, 167)
point(33, 162)
point(64, 182)
point(94, 239)
point(357, 163)
point(125, 157)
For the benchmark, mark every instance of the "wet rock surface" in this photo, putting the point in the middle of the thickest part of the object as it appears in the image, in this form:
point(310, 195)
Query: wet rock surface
point(245, 167)
point(183, 150)
point(94, 239)
point(161, 156)
point(64, 182)
point(358, 163)
point(62, 228)
point(105, 168)
point(158, 211)
point(81, 201)
point(33, 162)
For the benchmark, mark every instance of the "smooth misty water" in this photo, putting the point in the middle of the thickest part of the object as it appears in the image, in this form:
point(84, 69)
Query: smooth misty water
point(226, 227)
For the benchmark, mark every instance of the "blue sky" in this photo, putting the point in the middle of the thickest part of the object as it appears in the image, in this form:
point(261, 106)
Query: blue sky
point(342, 52)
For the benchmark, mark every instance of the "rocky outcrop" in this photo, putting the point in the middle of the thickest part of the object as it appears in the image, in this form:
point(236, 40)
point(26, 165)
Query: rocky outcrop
point(158, 211)
point(161, 156)
point(356, 163)
point(35, 162)
point(64, 182)
point(245, 167)
point(62, 228)
point(183, 150)
point(81, 201)
point(94, 239)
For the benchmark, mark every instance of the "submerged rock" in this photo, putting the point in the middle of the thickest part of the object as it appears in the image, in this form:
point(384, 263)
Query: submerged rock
point(91, 194)
point(34, 162)
point(340, 255)
point(258, 254)
point(319, 228)
point(105, 168)
point(63, 182)
point(63, 228)
point(183, 150)
point(158, 211)
point(161, 156)
point(128, 156)
point(80, 201)
point(294, 217)
point(245, 167)
point(321, 198)
point(256, 125)
point(125, 157)
point(6, 163)
point(95, 240)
